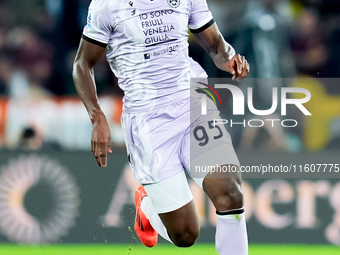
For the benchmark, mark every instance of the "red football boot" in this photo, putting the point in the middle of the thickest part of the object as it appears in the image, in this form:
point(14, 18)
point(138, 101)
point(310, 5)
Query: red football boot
point(143, 228)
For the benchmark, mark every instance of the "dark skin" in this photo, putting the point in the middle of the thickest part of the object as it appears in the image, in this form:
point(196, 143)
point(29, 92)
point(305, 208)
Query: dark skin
point(214, 44)
point(83, 75)
point(225, 192)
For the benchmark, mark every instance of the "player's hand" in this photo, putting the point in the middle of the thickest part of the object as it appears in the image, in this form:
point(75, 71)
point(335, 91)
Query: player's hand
point(100, 142)
point(238, 66)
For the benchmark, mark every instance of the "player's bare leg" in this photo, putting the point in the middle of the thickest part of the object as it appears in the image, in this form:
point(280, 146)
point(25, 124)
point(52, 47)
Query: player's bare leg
point(225, 192)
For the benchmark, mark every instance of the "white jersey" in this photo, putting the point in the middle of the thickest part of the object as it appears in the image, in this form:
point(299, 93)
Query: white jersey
point(147, 46)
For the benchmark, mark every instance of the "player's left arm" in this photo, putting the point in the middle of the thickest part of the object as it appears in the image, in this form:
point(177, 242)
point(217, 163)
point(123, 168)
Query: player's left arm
point(222, 52)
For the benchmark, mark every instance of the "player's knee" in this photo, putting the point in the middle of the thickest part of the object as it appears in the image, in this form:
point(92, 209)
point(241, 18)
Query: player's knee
point(186, 238)
point(230, 198)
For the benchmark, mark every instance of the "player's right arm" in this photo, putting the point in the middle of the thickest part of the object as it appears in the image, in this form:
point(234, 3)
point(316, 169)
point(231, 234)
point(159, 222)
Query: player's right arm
point(83, 76)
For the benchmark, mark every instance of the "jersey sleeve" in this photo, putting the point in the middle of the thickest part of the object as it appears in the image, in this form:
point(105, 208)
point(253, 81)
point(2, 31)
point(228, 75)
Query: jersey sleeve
point(99, 23)
point(200, 16)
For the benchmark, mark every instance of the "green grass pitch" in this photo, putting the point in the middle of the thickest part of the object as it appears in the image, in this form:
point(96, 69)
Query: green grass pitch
point(161, 249)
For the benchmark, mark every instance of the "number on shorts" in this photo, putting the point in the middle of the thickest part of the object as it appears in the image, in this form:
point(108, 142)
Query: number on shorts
point(203, 137)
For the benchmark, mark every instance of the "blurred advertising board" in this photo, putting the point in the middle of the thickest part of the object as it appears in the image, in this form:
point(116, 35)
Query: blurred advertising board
point(64, 197)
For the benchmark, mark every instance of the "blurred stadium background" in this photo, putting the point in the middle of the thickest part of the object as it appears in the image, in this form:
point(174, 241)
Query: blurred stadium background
point(52, 192)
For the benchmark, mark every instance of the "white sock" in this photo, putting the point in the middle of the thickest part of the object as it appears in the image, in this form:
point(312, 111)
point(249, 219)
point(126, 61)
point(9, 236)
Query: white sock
point(231, 234)
point(155, 220)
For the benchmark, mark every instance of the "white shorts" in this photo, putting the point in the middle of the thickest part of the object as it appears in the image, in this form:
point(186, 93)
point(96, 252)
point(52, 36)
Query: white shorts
point(162, 143)
point(173, 193)
point(170, 194)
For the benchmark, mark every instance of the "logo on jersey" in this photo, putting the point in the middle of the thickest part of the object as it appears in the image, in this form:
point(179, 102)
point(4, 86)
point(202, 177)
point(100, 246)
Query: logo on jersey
point(147, 56)
point(173, 3)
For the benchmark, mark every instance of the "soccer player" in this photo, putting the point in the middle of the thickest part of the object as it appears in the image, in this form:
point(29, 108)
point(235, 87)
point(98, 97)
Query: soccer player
point(165, 133)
